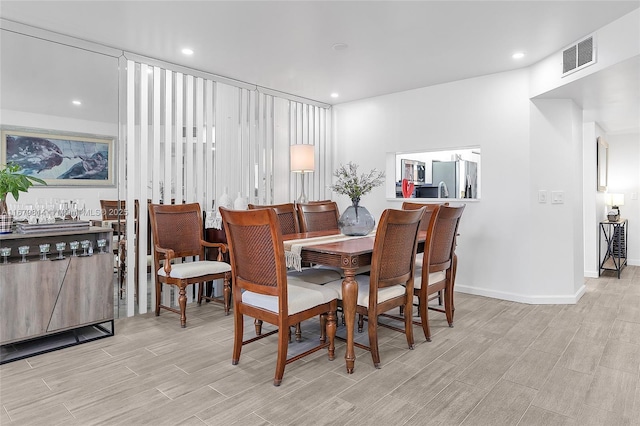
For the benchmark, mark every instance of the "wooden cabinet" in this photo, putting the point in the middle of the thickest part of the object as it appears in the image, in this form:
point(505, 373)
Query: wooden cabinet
point(42, 297)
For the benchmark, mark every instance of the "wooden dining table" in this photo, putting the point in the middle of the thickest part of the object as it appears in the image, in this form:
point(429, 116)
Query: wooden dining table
point(349, 255)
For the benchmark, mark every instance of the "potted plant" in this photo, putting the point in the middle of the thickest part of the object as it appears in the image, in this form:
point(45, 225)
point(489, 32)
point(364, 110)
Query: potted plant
point(356, 220)
point(12, 182)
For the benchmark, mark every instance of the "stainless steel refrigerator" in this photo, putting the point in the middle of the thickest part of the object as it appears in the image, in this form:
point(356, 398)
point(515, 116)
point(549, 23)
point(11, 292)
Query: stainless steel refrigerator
point(455, 179)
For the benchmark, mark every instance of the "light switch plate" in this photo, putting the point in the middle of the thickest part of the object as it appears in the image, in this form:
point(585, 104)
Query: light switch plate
point(557, 197)
point(542, 196)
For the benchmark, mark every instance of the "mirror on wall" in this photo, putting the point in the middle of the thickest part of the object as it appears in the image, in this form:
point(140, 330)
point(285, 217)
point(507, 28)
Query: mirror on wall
point(39, 81)
point(437, 174)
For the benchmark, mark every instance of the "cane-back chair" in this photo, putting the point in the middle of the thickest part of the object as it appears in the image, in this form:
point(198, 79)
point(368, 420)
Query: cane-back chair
point(178, 233)
point(438, 265)
point(262, 290)
point(287, 216)
point(318, 216)
point(390, 283)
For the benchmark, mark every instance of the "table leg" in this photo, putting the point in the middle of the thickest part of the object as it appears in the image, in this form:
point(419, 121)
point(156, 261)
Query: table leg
point(349, 301)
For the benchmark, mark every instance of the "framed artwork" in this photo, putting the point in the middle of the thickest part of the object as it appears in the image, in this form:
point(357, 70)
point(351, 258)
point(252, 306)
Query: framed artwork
point(603, 161)
point(60, 159)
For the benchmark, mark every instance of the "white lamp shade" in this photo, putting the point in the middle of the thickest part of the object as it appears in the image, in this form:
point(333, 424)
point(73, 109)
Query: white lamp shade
point(302, 158)
point(614, 199)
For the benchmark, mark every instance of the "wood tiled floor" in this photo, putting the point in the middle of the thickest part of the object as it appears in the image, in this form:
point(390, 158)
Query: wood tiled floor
point(504, 363)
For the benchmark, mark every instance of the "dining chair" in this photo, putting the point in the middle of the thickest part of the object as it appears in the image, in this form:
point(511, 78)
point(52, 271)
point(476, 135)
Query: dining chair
point(287, 216)
point(390, 283)
point(424, 226)
point(262, 289)
point(318, 216)
point(114, 215)
point(438, 266)
point(288, 220)
point(178, 233)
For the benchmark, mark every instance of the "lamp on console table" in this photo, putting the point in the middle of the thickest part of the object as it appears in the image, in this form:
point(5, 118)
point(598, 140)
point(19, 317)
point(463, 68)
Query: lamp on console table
point(615, 201)
point(302, 161)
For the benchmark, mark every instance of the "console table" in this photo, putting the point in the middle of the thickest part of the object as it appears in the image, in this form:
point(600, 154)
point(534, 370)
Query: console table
point(40, 298)
point(615, 235)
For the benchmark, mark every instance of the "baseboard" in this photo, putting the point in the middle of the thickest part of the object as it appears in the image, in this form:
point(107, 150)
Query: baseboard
point(531, 300)
point(633, 262)
point(591, 274)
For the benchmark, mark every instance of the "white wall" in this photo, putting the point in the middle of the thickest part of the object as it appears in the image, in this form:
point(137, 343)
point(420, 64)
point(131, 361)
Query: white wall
point(91, 195)
point(556, 228)
point(614, 43)
point(593, 201)
point(510, 246)
point(624, 177)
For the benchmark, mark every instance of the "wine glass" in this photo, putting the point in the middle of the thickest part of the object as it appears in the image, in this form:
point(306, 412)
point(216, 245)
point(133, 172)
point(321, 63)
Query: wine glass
point(85, 245)
point(73, 245)
point(44, 249)
point(24, 251)
point(73, 211)
point(5, 252)
point(102, 243)
point(60, 247)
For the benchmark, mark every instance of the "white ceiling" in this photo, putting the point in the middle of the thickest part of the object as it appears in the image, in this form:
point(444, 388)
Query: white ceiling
point(392, 45)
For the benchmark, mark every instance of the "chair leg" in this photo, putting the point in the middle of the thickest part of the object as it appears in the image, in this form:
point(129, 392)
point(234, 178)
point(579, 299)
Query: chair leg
point(238, 331)
point(448, 303)
point(258, 326)
point(298, 332)
point(283, 344)
point(182, 301)
point(227, 294)
point(200, 292)
point(323, 328)
point(373, 339)
point(158, 295)
point(331, 326)
point(423, 310)
point(360, 323)
point(408, 322)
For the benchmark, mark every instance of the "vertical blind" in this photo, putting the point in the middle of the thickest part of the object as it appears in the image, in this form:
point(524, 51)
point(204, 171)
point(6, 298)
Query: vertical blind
point(189, 138)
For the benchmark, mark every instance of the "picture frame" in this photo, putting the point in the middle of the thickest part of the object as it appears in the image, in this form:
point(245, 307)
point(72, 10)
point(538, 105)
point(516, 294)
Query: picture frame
point(603, 164)
point(58, 158)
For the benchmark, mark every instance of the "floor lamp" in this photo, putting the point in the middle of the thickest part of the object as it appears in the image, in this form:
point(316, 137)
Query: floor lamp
point(302, 161)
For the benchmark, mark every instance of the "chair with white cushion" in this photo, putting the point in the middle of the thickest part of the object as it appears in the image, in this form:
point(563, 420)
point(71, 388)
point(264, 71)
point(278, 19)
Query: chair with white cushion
point(438, 265)
point(262, 290)
point(390, 283)
point(178, 233)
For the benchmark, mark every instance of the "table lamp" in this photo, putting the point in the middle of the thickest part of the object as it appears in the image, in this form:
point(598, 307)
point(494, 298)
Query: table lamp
point(615, 201)
point(302, 161)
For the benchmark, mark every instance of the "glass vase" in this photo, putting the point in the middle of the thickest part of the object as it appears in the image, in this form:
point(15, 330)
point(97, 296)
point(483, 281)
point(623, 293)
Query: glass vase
point(356, 220)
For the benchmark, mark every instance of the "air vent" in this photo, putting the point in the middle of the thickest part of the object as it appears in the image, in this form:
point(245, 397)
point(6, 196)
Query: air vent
point(578, 56)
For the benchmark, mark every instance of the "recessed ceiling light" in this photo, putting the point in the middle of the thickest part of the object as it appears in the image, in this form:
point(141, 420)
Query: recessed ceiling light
point(334, 95)
point(340, 46)
point(518, 55)
point(187, 51)
point(76, 102)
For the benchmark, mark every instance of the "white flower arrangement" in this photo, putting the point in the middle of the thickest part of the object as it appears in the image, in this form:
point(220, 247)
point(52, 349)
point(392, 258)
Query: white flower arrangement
point(354, 186)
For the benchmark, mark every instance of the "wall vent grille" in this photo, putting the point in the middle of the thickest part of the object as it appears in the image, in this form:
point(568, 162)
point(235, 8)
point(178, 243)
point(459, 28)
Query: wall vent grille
point(578, 56)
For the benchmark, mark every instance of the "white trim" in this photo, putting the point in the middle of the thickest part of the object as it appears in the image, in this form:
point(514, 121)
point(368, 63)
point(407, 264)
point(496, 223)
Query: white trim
point(591, 274)
point(54, 37)
point(569, 299)
point(189, 71)
point(289, 96)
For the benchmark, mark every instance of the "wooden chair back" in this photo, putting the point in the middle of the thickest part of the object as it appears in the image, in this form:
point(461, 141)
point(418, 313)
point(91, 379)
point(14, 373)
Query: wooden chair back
point(287, 216)
point(317, 216)
point(394, 250)
point(177, 227)
point(444, 239)
point(429, 211)
point(248, 233)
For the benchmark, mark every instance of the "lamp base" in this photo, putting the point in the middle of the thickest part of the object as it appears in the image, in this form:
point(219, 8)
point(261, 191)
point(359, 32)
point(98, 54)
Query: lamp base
point(303, 197)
